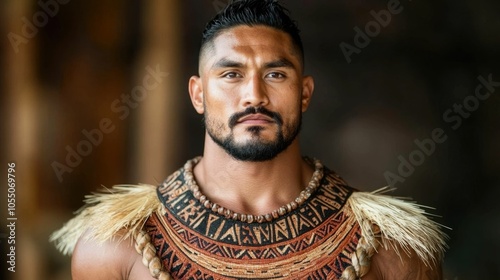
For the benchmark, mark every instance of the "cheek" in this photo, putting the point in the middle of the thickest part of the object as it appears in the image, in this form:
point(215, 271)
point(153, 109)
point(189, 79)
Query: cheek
point(292, 100)
point(221, 95)
point(216, 109)
point(221, 100)
point(293, 111)
point(291, 117)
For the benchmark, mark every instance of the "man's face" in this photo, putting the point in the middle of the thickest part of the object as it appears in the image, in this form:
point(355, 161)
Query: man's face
point(252, 92)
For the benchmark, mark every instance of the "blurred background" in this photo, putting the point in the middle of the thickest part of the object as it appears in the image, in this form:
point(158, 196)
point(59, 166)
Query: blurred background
point(94, 93)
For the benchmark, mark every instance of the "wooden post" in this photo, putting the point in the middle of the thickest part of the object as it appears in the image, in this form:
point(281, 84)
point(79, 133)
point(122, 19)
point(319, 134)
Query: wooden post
point(156, 135)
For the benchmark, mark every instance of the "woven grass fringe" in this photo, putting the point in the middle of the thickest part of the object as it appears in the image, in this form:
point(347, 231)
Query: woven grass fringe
point(114, 213)
point(401, 222)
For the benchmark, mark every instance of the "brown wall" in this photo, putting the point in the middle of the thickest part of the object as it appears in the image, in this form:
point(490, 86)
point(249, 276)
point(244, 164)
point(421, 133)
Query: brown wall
point(366, 116)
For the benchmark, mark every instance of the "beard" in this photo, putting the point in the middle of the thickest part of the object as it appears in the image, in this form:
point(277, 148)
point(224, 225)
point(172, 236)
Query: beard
point(255, 149)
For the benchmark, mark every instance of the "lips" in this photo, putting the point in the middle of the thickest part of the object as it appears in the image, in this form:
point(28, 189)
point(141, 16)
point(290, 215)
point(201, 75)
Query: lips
point(256, 119)
point(256, 116)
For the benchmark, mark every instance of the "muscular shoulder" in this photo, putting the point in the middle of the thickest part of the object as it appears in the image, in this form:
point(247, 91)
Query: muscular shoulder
point(110, 260)
point(399, 224)
point(387, 264)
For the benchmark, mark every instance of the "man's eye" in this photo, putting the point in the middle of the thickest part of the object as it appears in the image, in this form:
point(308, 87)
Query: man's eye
point(275, 75)
point(231, 75)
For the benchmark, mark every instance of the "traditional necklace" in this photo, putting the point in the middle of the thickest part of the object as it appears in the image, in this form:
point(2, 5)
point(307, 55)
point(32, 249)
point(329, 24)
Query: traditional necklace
point(248, 218)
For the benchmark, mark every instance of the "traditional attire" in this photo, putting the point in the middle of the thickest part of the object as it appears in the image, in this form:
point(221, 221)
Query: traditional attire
point(329, 232)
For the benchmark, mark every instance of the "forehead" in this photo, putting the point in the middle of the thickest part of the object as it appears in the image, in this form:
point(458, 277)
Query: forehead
point(253, 43)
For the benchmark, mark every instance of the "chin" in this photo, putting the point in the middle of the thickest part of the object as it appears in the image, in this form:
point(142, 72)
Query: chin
point(261, 132)
point(257, 139)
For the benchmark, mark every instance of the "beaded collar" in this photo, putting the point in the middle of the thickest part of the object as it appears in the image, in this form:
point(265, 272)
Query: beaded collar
point(248, 218)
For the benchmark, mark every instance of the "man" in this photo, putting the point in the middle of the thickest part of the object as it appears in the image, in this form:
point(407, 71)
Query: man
point(275, 215)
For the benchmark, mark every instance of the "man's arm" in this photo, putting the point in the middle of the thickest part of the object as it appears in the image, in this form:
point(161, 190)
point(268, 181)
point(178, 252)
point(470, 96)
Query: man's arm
point(388, 265)
point(110, 260)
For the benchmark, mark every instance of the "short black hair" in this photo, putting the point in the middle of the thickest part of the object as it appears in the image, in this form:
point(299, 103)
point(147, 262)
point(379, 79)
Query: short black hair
point(253, 12)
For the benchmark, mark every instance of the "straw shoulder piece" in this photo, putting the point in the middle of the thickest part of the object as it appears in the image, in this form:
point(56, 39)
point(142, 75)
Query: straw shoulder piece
point(122, 209)
point(399, 222)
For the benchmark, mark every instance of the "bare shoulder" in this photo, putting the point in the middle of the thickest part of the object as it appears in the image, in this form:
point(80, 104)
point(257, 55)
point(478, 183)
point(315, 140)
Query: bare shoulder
point(111, 260)
point(387, 264)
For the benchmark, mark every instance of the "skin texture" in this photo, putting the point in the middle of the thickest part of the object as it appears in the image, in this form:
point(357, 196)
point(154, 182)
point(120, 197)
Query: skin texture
point(246, 66)
point(108, 261)
point(387, 264)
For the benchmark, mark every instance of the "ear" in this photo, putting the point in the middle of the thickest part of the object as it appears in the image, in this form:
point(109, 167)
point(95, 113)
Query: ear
point(307, 92)
point(196, 94)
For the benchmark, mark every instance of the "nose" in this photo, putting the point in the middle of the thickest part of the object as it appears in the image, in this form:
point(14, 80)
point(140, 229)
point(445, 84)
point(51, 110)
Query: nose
point(255, 94)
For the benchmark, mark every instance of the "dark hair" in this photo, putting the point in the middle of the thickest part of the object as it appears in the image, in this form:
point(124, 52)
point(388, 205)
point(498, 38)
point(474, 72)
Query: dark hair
point(253, 12)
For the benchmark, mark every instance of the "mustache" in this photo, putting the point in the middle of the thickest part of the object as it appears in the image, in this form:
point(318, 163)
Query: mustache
point(233, 120)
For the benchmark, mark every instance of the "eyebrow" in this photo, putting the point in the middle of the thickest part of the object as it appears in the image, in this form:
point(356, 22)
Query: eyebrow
point(282, 62)
point(228, 63)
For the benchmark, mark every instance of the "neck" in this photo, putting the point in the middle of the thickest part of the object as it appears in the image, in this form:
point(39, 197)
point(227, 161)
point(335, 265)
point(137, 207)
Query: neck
point(252, 187)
